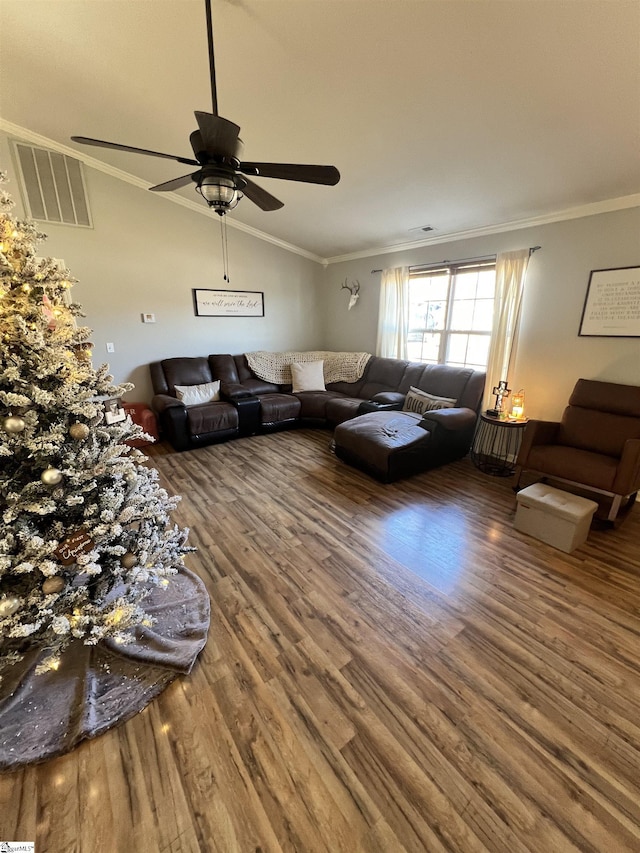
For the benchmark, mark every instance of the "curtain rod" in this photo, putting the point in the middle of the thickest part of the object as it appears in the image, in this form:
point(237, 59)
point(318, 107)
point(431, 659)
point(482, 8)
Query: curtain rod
point(532, 249)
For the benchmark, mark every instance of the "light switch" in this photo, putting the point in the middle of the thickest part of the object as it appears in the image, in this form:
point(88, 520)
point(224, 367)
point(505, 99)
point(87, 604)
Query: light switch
point(110, 347)
point(148, 318)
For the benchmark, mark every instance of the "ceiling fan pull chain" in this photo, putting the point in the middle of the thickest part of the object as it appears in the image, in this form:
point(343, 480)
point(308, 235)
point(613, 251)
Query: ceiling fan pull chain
point(225, 249)
point(226, 252)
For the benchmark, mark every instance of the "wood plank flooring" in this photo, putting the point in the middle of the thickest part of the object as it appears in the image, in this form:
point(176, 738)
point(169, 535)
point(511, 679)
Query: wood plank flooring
point(389, 668)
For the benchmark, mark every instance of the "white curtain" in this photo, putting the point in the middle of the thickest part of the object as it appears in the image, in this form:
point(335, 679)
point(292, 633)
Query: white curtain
point(393, 313)
point(511, 269)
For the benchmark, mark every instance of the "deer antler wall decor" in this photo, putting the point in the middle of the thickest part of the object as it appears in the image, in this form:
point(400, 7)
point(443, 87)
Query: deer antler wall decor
point(354, 290)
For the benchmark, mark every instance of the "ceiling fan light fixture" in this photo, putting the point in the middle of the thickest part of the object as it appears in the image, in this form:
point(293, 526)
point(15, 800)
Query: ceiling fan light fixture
point(220, 193)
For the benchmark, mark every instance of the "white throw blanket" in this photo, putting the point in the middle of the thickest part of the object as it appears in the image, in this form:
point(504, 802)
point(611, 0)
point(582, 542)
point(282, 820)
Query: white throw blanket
point(338, 366)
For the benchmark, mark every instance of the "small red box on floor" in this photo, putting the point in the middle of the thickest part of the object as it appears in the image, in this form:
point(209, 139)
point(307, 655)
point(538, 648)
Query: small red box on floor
point(141, 414)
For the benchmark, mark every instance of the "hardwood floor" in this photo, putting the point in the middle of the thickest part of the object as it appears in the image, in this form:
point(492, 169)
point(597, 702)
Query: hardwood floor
point(389, 668)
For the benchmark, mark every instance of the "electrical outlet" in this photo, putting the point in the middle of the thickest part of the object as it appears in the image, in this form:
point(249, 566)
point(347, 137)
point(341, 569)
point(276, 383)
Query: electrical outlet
point(110, 347)
point(148, 318)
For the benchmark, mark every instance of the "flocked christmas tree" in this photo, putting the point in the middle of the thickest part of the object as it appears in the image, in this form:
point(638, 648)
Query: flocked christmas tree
point(84, 525)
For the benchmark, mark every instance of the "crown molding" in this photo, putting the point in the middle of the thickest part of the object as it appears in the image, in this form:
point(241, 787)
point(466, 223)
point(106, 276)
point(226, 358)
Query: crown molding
point(37, 139)
point(593, 209)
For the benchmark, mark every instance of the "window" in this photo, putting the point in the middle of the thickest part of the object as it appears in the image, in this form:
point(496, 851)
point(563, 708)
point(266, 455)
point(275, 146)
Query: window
point(451, 314)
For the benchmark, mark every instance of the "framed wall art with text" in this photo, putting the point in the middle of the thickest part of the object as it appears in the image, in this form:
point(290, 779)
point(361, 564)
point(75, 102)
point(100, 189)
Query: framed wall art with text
point(612, 304)
point(228, 303)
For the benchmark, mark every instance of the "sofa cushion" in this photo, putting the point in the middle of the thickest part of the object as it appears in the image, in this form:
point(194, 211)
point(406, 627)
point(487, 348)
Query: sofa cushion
point(606, 397)
point(211, 417)
point(253, 382)
point(598, 431)
point(307, 376)
point(277, 408)
point(260, 386)
point(313, 404)
point(445, 381)
point(383, 374)
point(340, 409)
point(223, 366)
point(571, 463)
point(185, 371)
point(193, 395)
point(411, 376)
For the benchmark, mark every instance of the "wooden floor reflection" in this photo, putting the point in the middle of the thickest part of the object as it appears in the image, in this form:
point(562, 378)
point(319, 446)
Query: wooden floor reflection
point(389, 668)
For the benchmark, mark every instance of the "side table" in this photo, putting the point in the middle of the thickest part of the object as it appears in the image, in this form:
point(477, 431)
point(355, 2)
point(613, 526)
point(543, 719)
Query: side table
point(496, 444)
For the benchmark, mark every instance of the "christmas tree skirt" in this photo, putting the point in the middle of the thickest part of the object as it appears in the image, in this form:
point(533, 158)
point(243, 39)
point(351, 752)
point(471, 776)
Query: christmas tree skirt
point(98, 687)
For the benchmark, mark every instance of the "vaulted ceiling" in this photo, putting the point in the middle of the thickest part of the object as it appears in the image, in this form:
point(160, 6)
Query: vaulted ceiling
point(452, 114)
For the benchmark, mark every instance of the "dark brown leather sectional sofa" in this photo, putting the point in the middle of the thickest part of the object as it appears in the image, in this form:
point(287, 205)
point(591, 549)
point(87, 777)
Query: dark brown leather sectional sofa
point(250, 405)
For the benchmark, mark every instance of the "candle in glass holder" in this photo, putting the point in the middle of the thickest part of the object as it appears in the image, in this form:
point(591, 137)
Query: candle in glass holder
point(517, 405)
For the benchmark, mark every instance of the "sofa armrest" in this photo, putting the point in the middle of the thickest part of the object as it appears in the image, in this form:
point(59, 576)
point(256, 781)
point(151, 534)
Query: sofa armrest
point(162, 402)
point(389, 398)
point(627, 478)
point(451, 431)
point(537, 432)
point(450, 419)
point(368, 406)
point(173, 424)
point(234, 391)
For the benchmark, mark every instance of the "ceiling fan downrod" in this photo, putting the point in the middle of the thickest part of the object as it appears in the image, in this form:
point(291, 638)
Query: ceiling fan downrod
point(212, 64)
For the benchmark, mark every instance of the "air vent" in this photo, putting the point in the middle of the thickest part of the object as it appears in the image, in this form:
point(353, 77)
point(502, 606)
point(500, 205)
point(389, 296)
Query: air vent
point(425, 228)
point(53, 186)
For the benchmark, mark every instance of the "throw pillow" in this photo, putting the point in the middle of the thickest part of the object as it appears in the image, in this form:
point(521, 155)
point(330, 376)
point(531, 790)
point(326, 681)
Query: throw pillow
point(419, 402)
point(307, 376)
point(194, 395)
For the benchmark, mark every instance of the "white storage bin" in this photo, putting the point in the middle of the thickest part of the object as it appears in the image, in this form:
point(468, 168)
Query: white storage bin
point(555, 517)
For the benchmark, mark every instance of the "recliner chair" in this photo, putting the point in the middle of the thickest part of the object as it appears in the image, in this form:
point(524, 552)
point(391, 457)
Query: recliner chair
point(596, 445)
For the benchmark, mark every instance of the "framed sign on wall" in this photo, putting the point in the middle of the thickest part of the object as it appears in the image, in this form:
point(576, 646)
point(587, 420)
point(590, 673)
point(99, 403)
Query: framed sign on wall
point(228, 303)
point(612, 304)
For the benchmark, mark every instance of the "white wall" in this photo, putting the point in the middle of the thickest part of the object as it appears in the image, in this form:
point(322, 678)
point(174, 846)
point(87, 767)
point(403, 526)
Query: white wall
point(551, 355)
point(145, 254)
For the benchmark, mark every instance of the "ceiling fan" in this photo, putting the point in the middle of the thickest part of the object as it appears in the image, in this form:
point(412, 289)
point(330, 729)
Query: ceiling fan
point(217, 147)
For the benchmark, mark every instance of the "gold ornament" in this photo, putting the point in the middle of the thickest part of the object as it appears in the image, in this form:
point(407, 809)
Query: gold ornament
point(53, 584)
point(51, 476)
point(83, 351)
point(128, 560)
point(9, 606)
point(13, 424)
point(79, 431)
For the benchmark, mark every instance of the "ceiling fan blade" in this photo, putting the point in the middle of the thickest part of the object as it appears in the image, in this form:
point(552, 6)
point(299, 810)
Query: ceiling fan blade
point(262, 198)
point(197, 144)
point(328, 175)
point(100, 143)
point(220, 136)
point(175, 184)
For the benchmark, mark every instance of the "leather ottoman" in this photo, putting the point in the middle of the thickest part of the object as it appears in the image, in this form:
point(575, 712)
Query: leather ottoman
point(388, 444)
